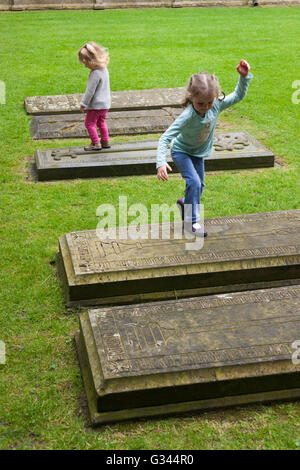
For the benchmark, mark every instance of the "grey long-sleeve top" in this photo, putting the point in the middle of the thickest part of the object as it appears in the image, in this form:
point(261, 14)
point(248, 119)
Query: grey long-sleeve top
point(97, 94)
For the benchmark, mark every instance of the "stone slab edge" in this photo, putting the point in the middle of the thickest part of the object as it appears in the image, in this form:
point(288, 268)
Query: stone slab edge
point(97, 418)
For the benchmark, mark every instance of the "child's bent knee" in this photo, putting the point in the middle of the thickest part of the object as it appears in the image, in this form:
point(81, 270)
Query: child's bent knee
point(194, 183)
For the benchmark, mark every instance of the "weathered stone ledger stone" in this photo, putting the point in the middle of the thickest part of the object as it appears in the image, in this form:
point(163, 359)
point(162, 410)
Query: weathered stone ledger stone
point(241, 252)
point(192, 354)
point(65, 126)
point(120, 101)
point(231, 151)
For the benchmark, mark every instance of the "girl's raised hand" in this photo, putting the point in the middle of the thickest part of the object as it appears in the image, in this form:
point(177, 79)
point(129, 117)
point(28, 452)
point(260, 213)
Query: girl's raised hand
point(162, 173)
point(243, 68)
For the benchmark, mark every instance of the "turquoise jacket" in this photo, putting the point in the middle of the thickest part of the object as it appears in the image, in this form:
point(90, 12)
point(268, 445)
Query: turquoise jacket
point(192, 134)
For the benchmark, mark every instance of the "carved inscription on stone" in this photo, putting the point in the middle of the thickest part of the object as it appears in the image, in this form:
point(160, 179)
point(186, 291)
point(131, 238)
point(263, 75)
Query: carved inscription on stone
point(228, 329)
point(231, 142)
point(252, 236)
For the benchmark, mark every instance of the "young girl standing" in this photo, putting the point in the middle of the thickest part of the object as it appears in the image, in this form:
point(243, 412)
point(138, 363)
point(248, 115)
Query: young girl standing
point(96, 100)
point(192, 137)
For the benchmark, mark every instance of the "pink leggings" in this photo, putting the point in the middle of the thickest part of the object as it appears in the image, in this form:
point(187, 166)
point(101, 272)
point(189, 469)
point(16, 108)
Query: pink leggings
point(96, 117)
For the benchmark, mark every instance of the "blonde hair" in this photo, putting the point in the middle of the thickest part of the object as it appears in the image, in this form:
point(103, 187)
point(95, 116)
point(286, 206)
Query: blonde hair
point(202, 83)
point(93, 56)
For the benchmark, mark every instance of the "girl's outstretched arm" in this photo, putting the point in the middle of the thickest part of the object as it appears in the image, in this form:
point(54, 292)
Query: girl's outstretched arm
point(241, 89)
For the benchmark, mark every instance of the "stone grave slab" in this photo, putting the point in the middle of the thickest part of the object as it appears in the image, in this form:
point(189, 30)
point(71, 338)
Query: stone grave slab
point(191, 354)
point(120, 100)
point(65, 126)
point(231, 151)
point(241, 252)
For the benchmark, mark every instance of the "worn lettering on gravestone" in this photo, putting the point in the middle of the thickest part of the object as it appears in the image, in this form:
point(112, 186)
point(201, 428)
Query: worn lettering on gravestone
point(174, 356)
point(240, 251)
point(121, 100)
point(234, 150)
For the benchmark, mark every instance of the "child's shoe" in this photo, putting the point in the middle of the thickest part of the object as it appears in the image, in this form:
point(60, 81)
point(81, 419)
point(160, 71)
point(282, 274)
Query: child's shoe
point(180, 206)
point(105, 144)
point(196, 229)
point(93, 147)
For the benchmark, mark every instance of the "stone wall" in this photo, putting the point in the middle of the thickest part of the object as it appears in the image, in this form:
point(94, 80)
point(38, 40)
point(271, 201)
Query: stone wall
point(52, 4)
point(113, 4)
point(5, 4)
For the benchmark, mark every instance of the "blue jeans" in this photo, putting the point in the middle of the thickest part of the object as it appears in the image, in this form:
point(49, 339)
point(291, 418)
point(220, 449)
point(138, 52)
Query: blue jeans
point(192, 171)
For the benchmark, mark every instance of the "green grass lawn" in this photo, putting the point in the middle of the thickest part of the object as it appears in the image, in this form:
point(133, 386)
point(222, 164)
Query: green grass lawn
point(41, 392)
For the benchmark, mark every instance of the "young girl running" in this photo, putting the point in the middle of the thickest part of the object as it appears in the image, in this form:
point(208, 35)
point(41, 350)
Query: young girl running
point(191, 135)
point(96, 100)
